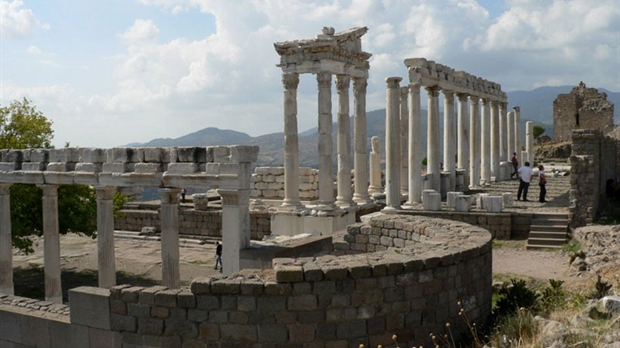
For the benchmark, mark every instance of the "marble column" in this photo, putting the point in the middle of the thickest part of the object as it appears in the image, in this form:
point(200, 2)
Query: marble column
point(6, 243)
point(291, 142)
point(495, 129)
point(529, 142)
point(485, 134)
point(344, 197)
point(433, 138)
point(326, 147)
point(404, 139)
point(474, 141)
point(360, 159)
point(414, 144)
point(105, 237)
point(510, 135)
point(463, 135)
point(392, 143)
point(51, 244)
point(235, 227)
point(449, 138)
point(518, 141)
point(503, 134)
point(171, 276)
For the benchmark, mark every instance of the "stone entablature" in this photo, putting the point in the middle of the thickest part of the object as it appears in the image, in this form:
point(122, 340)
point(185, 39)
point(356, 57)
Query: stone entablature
point(268, 183)
point(409, 291)
point(582, 108)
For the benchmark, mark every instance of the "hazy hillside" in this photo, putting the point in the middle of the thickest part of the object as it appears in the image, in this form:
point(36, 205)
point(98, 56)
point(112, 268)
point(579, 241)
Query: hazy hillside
point(536, 105)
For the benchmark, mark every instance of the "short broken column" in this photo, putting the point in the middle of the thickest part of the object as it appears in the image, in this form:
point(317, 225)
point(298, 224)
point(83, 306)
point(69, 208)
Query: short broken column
point(105, 237)
point(431, 200)
point(51, 244)
point(375, 166)
point(462, 203)
point(6, 244)
point(451, 198)
point(171, 276)
point(492, 204)
point(507, 199)
point(235, 223)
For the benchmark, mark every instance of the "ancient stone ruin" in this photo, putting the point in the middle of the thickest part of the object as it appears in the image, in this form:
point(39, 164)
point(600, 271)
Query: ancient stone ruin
point(582, 108)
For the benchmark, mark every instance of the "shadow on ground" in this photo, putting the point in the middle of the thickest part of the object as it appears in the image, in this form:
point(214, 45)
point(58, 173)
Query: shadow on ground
point(29, 282)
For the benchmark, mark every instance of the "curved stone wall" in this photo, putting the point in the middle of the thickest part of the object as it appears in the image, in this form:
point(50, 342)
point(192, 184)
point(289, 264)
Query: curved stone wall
point(409, 286)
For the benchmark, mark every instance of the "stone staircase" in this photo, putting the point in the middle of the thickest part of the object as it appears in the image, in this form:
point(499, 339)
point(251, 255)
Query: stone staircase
point(548, 231)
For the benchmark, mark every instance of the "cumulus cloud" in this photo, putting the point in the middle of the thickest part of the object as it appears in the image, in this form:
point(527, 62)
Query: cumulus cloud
point(17, 21)
point(32, 49)
point(141, 30)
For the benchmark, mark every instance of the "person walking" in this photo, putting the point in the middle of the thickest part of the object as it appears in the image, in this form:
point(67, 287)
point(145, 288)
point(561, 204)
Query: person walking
point(525, 175)
point(515, 164)
point(218, 256)
point(542, 182)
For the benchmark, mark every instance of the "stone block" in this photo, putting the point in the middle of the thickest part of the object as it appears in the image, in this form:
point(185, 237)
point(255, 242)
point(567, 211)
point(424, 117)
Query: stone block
point(243, 153)
point(480, 200)
point(492, 204)
point(155, 155)
point(61, 166)
point(93, 155)
point(116, 167)
point(67, 335)
point(431, 200)
point(148, 167)
point(507, 199)
point(90, 307)
point(462, 203)
point(183, 168)
point(10, 166)
point(289, 273)
point(122, 155)
point(189, 154)
point(34, 166)
point(221, 154)
point(88, 167)
point(238, 332)
point(451, 196)
point(39, 155)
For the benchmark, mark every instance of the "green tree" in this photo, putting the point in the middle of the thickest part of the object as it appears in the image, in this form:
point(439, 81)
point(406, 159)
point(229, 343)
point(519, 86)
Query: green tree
point(538, 131)
point(23, 126)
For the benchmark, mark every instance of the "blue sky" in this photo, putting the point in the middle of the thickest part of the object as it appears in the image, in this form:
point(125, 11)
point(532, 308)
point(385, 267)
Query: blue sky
point(112, 72)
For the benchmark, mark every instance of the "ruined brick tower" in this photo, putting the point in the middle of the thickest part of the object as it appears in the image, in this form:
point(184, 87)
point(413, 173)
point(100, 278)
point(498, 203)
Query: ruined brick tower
point(582, 108)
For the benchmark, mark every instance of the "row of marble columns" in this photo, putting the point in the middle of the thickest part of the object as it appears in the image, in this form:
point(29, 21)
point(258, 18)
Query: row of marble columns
point(344, 196)
point(234, 215)
point(477, 147)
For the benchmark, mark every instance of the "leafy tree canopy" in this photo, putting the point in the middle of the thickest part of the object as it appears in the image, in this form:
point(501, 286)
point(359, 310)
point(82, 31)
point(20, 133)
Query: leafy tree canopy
point(538, 131)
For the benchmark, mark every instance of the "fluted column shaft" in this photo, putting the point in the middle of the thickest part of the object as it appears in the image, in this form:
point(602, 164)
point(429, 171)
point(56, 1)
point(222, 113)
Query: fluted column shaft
point(360, 159)
point(495, 129)
point(291, 141)
point(6, 243)
point(433, 138)
point(392, 143)
point(415, 146)
point(463, 135)
point(474, 144)
point(326, 182)
point(105, 237)
point(51, 244)
point(404, 138)
point(486, 142)
point(171, 276)
point(504, 155)
point(344, 197)
point(449, 138)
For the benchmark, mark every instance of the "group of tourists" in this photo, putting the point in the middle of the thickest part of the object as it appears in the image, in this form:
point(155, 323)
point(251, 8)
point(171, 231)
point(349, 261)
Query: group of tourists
point(525, 174)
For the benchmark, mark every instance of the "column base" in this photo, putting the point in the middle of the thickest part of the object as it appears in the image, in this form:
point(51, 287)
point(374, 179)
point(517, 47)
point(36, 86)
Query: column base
point(316, 222)
point(8, 290)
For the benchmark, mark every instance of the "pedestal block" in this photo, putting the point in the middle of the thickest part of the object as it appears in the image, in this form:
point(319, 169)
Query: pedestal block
point(505, 169)
point(460, 179)
point(507, 199)
point(492, 204)
point(451, 196)
point(462, 203)
point(480, 200)
point(291, 224)
point(431, 200)
point(445, 184)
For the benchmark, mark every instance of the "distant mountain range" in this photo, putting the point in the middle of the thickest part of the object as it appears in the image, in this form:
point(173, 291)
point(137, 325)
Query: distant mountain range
point(536, 106)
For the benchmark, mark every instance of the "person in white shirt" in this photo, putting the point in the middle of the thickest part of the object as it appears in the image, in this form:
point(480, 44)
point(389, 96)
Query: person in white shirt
point(525, 175)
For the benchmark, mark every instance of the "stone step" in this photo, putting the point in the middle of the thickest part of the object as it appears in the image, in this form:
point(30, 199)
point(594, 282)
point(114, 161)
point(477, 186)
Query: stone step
point(543, 247)
point(546, 241)
point(549, 228)
point(549, 235)
point(549, 222)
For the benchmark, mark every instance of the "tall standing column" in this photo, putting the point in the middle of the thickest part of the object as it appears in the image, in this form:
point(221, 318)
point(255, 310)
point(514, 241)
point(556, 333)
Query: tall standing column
point(474, 144)
point(344, 197)
point(510, 135)
point(495, 129)
point(326, 182)
point(6, 243)
point(518, 141)
point(449, 146)
point(503, 133)
point(105, 237)
point(463, 135)
point(51, 244)
point(432, 147)
point(404, 138)
point(360, 159)
point(415, 146)
point(171, 276)
point(291, 142)
point(392, 143)
point(235, 227)
point(486, 143)
point(529, 141)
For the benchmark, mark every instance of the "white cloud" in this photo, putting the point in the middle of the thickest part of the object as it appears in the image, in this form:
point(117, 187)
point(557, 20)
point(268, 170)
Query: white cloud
point(32, 49)
point(16, 21)
point(141, 30)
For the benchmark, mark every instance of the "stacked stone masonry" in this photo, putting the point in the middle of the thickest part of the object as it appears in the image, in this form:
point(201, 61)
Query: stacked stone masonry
point(422, 273)
point(268, 183)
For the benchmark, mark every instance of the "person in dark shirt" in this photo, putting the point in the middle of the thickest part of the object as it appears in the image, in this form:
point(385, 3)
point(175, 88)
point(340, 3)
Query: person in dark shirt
point(218, 256)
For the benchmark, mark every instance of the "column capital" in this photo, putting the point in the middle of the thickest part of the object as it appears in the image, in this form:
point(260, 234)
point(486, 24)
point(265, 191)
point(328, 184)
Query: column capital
point(105, 192)
point(474, 100)
point(393, 82)
point(290, 80)
point(516, 108)
point(49, 190)
point(234, 197)
point(462, 96)
point(324, 79)
point(485, 101)
point(448, 93)
point(433, 91)
point(169, 195)
point(495, 103)
point(414, 88)
point(5, 189)
point(404, 92)
point(343, 82)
